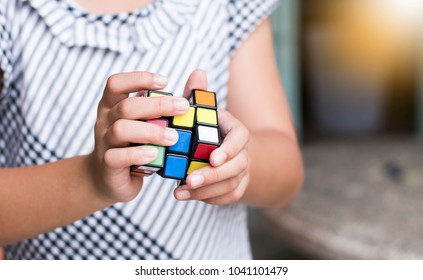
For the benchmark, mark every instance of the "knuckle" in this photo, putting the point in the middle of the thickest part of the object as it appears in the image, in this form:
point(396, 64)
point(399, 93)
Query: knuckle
point(108, 158)
point(117, 129)
point(112, 83)
point(124, 108)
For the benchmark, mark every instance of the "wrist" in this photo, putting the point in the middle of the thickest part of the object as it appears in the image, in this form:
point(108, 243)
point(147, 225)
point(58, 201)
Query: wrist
point(94, 182)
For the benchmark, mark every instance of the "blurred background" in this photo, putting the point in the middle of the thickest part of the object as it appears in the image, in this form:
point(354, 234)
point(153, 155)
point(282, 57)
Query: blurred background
point(353, 74)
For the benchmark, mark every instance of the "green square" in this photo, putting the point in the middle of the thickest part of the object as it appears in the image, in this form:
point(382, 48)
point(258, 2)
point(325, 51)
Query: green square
point(159, 161)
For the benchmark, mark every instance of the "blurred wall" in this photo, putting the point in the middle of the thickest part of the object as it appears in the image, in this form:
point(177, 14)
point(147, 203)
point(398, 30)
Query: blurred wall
point(349, 67)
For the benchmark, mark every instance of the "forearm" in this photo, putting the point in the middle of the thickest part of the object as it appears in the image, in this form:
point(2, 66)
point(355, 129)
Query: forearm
point(37, 199)
point(276, 170)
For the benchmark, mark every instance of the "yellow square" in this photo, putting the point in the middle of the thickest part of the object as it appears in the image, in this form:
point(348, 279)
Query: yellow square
point(186, 120)
point(156, 94)
point(195, 165)
point(207, 116)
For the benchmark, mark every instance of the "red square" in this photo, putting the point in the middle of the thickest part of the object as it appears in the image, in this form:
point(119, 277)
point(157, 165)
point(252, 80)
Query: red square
point(203, 151)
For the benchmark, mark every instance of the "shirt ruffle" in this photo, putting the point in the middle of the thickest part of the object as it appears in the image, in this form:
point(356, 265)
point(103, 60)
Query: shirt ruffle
point(116, 32)
point(245, 16)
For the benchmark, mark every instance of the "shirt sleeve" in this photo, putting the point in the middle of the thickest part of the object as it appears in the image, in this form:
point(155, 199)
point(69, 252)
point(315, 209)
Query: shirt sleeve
point(5, 45)
point(245, 16)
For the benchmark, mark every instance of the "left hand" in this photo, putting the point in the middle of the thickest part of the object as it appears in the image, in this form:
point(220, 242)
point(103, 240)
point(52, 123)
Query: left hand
point(226, 179)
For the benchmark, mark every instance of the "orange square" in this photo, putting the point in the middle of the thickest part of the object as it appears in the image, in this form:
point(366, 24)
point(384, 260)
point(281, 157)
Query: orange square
point(206, 98)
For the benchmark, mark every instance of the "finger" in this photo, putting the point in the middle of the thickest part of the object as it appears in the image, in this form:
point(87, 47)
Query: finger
point(126, 157)
point(142, 108)
point(123, 132)
point(236, 137)
point(209, 191)
point(197, 80)
point(210, 175)
point(119, 86)
point(231, 197)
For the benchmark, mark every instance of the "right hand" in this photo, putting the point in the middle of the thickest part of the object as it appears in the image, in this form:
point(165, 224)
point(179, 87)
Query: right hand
point(118, 125)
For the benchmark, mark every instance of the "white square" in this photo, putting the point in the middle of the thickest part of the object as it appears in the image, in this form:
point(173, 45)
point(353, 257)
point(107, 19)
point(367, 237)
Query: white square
point(208, 134)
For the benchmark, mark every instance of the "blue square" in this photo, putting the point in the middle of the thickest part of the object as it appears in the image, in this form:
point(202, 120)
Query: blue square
point(183, 144)
point(175, 167)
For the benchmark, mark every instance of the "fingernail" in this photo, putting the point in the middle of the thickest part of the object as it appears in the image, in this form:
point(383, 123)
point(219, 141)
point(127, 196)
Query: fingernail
point(160, 80)
point(196, 181)
point(149, 152)
point(171, 135)
point(182, 195)
point(180, 104)
point(220, 158)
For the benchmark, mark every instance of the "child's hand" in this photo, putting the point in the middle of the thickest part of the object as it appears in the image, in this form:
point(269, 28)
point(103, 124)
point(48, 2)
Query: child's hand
point(118, 125)
point(226, 180)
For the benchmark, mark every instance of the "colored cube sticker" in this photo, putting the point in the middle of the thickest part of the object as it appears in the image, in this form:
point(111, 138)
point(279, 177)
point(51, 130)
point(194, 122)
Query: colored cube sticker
point(195, 165)
point(208, 134)
point(176, 167)
point(206, 116)
point(156, 93)
point(159, 161)
point(152, 167)
point(157, 164)
point(203, 151)
point(144, 170)
point(159, 122)
point(198, 133)
point(204, 98)
point(186, 120)
point(184, 142)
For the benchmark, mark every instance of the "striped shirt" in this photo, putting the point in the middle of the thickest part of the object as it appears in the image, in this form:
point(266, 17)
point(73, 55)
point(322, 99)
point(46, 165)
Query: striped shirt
point(56, 57)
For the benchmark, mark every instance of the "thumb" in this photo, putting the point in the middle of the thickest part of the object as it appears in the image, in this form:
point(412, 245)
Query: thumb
point(197, 80)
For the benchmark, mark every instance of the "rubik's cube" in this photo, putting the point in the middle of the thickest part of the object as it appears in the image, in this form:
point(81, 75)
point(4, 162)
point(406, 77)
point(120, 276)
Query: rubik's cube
point(199, 136)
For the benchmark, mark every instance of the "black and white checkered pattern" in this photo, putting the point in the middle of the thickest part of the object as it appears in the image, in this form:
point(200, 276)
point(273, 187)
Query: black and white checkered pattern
point(106, 234)
point(244, 16)
point(55, 63)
